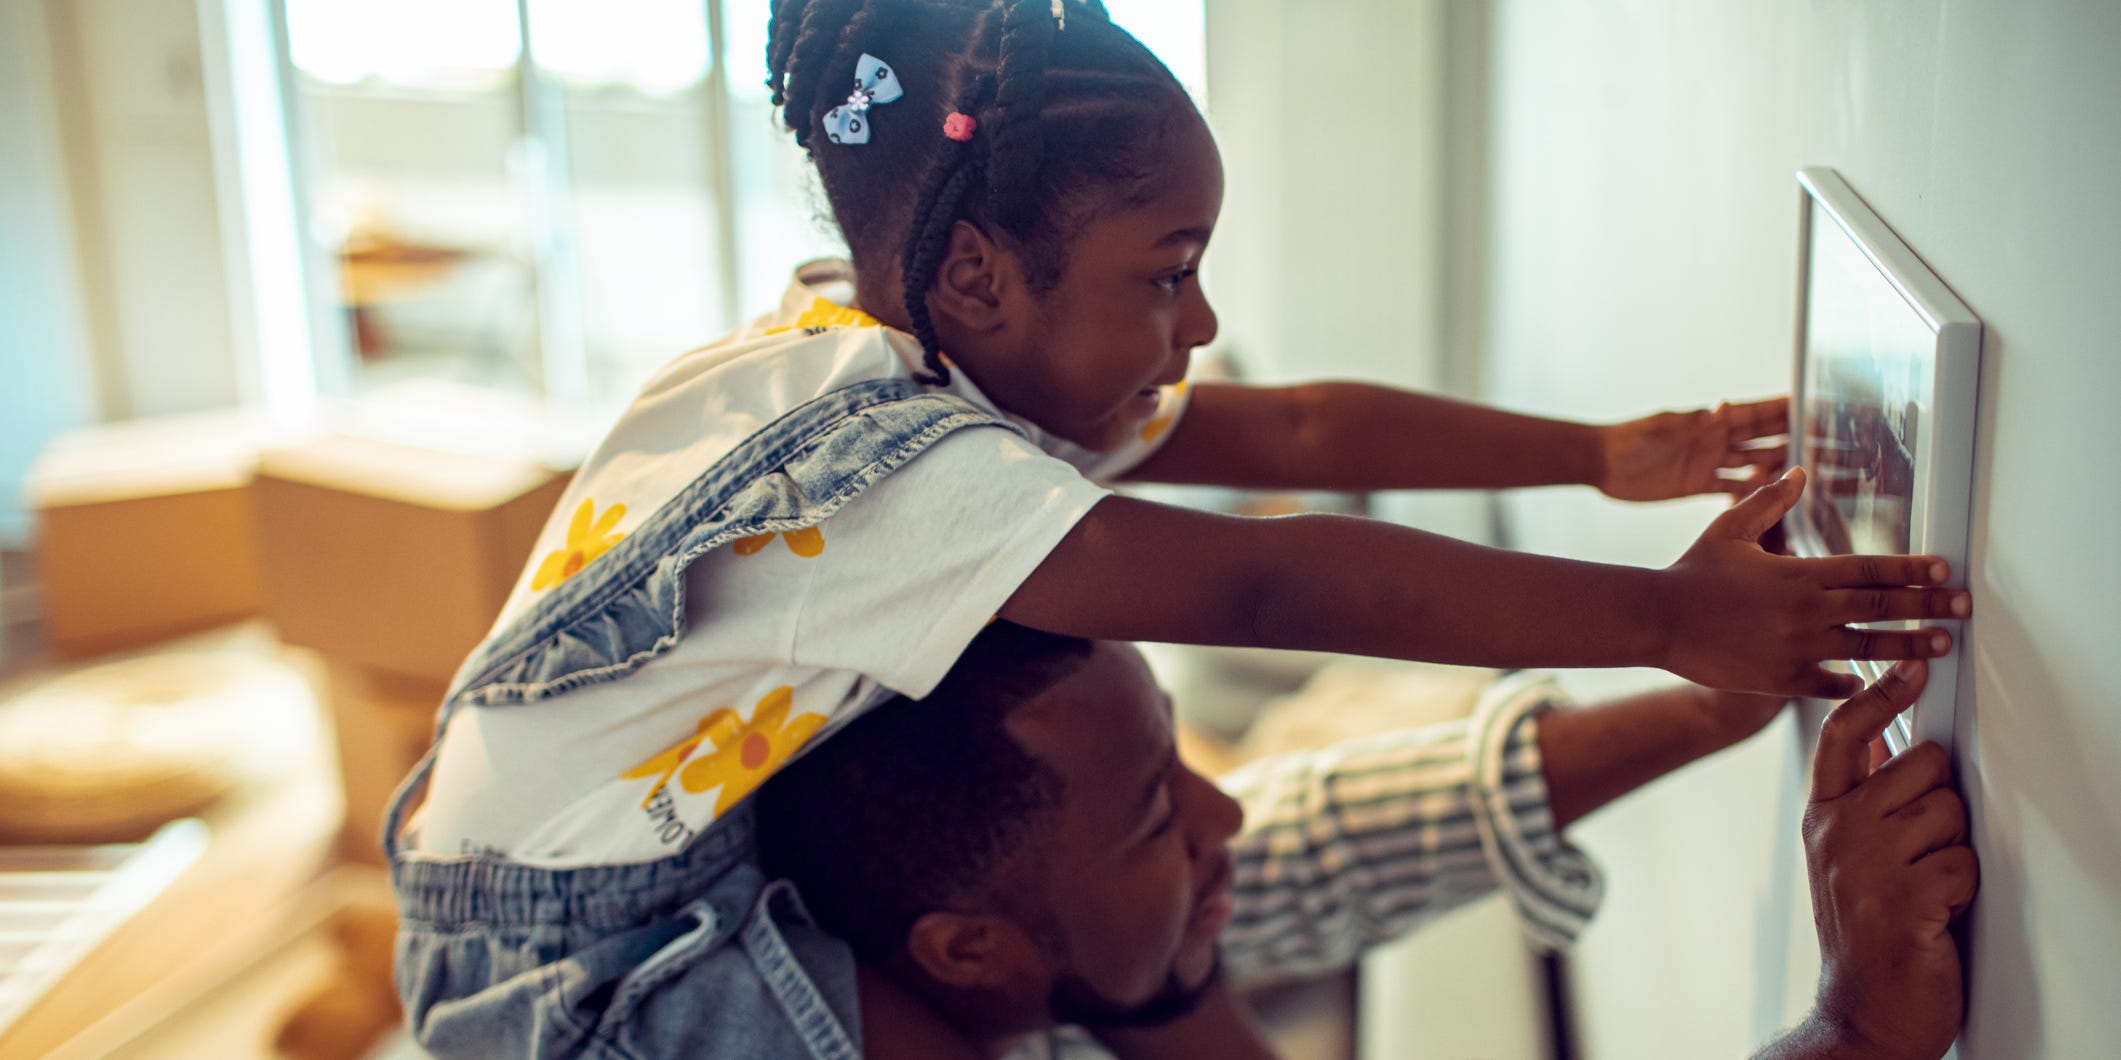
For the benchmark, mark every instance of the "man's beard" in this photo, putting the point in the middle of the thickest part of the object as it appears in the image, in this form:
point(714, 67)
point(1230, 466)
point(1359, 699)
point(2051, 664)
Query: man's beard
point(1074, 1000)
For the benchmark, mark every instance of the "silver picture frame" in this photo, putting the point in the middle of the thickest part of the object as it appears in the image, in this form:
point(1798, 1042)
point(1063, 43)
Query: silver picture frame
point(1885, 373)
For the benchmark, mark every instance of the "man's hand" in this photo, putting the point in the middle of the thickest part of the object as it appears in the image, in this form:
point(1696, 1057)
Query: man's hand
point(1736, 617)
point(1890, 870)
point(1728, 449)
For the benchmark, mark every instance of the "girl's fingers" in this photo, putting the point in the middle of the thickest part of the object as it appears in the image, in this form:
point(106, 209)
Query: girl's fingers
point(1851, 572)
point(1743, 485)
point(1897, 605)
point(1751, 517)
point(1822, 683)
point(1758, 419)
point(1773, 456)
point(1888, 644)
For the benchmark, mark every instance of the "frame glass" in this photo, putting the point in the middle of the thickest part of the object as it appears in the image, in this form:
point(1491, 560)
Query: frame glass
point(1886, 366)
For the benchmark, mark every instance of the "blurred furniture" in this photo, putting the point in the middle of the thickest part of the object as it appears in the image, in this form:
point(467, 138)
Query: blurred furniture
point(249, 853)
point(376, 268)
point(58, 902)
point(393, 556)
point(144, 530)
point(310, 982)
point(390, 560)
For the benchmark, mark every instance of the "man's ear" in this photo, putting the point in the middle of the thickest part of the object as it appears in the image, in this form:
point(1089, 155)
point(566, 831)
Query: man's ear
point(974, 283)
point(971, 951)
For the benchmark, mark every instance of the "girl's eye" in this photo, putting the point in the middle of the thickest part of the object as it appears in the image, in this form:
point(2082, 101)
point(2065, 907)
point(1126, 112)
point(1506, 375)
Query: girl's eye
point(1169, 818)
point(1164, 828)
point(1171, 282)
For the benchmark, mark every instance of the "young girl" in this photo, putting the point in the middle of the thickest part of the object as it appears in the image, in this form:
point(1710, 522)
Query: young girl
point(794, 523)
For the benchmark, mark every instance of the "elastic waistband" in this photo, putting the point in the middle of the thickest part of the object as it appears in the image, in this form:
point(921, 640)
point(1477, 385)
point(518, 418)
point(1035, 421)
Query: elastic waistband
point(452, 892)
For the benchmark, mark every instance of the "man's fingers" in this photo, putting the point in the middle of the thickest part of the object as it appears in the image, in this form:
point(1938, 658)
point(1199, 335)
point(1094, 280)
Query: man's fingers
point(1751, 517)
point(1887, 645)
point(1879, 604)
point(1904, 778)
point(1947, 879)
point(1842, 761)
point(1931, 823)
point(1855, 572)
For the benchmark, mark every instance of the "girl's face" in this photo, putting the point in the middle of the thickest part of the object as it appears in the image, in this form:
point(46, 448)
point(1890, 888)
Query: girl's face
point(1084, 360)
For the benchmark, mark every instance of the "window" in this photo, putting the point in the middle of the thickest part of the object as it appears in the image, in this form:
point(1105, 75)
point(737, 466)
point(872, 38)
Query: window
point(558, 220)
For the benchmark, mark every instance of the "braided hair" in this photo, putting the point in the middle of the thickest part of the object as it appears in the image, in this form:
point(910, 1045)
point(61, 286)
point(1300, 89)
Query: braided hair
point(1069, 122)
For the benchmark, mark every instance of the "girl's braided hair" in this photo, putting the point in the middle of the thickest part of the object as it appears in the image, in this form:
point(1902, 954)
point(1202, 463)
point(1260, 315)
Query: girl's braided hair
point(1068, 123)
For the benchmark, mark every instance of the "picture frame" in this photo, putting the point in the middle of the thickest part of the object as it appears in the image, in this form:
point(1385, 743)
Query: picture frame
point(1886, 368)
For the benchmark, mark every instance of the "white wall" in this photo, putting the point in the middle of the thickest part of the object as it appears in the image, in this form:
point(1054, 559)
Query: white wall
point(1643, 254)
point(1328, 114)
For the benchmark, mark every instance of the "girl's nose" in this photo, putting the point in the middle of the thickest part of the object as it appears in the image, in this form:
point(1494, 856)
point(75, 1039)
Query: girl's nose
point(1201, 325)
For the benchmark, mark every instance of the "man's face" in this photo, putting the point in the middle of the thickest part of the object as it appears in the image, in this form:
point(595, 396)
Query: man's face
point(1137, 887)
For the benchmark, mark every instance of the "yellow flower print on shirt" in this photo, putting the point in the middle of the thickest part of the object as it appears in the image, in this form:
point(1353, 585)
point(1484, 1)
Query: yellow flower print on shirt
point(807, 542)
point(720, 726)
point(745, 752)
point(823, 314)
point(585, 542)
point(1155, 428)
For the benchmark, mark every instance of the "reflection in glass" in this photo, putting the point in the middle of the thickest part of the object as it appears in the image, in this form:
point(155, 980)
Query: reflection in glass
point(1864, 391)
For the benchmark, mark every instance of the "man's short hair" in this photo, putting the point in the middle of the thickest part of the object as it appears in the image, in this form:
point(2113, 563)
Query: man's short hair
point(915, 806)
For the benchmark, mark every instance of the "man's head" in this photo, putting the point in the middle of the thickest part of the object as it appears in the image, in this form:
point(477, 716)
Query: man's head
point(1022, 847)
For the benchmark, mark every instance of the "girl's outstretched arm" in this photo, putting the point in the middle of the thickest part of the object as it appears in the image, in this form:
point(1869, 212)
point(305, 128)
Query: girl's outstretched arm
point(1353, 436)
point(1727, 614)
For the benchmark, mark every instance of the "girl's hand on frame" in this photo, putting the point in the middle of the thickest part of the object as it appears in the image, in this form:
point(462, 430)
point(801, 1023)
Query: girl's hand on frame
point(1728, 449)
point(1739, 618)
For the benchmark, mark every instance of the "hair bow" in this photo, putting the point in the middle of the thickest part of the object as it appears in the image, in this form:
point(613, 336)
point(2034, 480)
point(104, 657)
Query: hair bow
point(874, 84)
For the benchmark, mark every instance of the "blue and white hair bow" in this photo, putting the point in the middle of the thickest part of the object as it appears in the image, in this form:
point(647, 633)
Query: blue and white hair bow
point(874, 84)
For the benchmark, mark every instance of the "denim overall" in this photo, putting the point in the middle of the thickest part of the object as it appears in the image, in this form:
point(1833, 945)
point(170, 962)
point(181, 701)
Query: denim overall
point(697, 954)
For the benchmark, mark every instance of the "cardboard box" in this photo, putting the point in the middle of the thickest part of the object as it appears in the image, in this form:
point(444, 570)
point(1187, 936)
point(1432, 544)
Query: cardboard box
point(144, 531)
point(390, 556)
point(383, 725)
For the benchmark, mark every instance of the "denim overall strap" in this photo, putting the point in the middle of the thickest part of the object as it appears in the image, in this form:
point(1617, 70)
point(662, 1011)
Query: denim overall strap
point(797, 994)
point(629, 605)
point(793, 473)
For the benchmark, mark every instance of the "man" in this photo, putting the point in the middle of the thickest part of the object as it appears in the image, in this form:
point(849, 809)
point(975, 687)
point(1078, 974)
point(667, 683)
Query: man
point(1023, 850)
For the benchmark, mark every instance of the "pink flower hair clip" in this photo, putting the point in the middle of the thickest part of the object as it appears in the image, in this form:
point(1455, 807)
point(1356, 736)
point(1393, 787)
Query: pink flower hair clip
point(959, 126)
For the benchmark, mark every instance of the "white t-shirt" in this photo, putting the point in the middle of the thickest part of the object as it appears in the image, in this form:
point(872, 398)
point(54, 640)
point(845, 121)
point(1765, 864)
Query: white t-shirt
point(786, 635)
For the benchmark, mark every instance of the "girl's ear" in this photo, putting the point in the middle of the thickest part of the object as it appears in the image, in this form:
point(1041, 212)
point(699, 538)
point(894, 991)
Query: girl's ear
point(973, 294)
point(972, 952)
